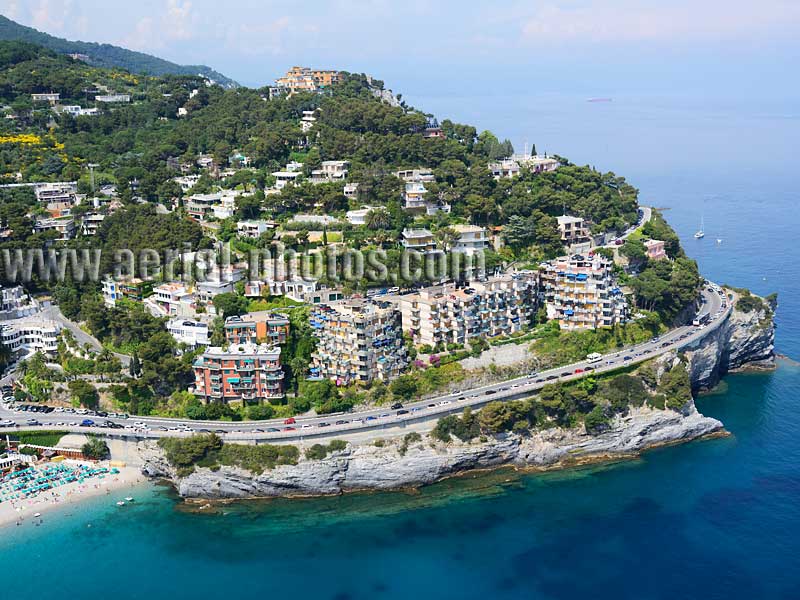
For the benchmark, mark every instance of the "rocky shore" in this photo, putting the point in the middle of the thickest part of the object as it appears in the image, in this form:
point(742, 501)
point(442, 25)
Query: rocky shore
point(745, 339)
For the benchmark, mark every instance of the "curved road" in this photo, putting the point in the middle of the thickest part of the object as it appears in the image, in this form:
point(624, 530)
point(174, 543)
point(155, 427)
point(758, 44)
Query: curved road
point(383, 421)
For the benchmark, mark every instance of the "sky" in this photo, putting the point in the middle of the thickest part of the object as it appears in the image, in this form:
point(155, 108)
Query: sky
point(459, 47)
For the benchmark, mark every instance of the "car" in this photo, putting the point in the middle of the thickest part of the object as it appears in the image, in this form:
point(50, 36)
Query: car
point(416, 409)
point(341, 422)
point(540, 380)
point(402, 411)
point(532, 374)
point(551, 377)
point(489, 392)
point(139, 424)
point(655, 339)
point(323, 424)
point(371, 418)
point(272, 430)
point(665, 345)
point(619, 242)
point(32, 422)
point(460, 398)
point(565, 374)
point(87, 423)
point(7, 423)
point(445, 402)
point(578, 370)
point(289, 429)
point(504, 389)
point(384, 416)
point(628, 357)
point(101, 413)
point(306, 426)
point(589, 369)
point(59, 409)
point(396, 405)
point(219, 431)
point(258, 431)
point(289, 421)
point(515, 385)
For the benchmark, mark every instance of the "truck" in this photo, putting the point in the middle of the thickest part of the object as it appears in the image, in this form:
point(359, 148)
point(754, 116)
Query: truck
point(700, 320)
point(594, 357)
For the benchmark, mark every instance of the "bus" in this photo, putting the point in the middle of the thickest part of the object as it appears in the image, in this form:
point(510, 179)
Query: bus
point(700, 320)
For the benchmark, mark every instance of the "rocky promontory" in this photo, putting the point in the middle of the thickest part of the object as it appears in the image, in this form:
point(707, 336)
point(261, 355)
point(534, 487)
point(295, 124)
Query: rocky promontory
point(744, 339)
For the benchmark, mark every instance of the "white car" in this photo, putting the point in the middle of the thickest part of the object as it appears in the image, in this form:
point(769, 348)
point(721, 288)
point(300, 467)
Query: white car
point(445, 402)
point(140, 424)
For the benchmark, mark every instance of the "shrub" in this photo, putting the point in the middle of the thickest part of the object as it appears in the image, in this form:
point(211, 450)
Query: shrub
point(320, 451)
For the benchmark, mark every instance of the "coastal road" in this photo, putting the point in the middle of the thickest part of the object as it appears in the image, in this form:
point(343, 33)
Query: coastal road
point(380, 422)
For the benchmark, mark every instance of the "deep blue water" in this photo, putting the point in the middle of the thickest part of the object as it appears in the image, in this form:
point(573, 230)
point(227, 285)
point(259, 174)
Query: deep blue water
point(711, 519)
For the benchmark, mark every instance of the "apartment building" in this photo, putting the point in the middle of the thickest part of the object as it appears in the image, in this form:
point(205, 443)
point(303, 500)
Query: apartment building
point(573, 230)
point(64, 227)
point(504, 169)
point(415, 175)
point(26, 336)
point(330, 170)
point(307, 120)
point(113, 98)
point(445, 314)
point(173, 298)
point(284, 178)
point(359, 216)
point(536, 163)
point(420, 240)
point(581, 293)
point(655, 249)
point(52, 97)
point(191, 332)
point(257, 327)
point(57, 192)
point(91, 222)
point(359, 341)
point(307, 79)
point(244, 373)
point(350, 191)
point(16, 303)
point(131, 288)
point(471, 239)
point(220, 205)
point(254, 228)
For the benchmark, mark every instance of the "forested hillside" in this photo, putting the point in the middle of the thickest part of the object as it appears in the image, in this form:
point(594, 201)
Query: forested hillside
point(107, 55)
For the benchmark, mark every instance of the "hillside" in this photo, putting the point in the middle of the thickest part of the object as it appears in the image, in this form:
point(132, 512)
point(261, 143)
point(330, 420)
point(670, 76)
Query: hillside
point(107, 55)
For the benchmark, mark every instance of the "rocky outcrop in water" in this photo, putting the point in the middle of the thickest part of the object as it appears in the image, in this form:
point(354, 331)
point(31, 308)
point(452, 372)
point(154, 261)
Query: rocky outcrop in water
point(746, 340)
point(367, 467)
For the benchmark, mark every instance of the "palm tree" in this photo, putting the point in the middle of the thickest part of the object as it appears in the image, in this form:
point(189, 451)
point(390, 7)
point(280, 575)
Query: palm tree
point(447, 236)
point(378, 218)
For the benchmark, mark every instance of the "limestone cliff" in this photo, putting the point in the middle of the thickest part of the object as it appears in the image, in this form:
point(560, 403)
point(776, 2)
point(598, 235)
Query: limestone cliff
point(744, 340)
point(367, 467)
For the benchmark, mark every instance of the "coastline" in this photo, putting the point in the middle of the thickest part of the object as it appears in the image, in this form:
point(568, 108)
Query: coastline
point(21, 512)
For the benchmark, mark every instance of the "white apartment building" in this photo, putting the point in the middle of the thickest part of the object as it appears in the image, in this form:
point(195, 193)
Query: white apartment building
point(63, 226)
point(174, 299)
point(581, 293)
point(307, 120)
point(51, 97)
point(191, 332)
point(220, 205)
point(443, 314)
point(420, 240)
point(186, 182)
point(57, 192)
point(30, 335)
point(91, 222)
point(471, 239)
point(330, 170)
point(284, 178)
point(113, 98)
point(359, 216)
point(253, 229)
point(350, 191)
point(415, 200)
point(504, 169)
point(16, 303)
point(359, 341)
point(415, 175)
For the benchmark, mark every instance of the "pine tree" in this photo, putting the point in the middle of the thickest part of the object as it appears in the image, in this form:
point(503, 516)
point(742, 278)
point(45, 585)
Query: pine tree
point(135, 368)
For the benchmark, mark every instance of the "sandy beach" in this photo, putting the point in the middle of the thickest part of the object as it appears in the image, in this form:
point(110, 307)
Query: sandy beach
point(21, 512)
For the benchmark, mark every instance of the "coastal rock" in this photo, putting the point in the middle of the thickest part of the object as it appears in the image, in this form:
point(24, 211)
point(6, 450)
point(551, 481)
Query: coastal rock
point(368, 467)
point(744, 340)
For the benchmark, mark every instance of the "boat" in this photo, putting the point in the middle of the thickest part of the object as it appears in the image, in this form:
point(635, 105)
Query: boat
point(120, 503)
point(128, 499)
point(719, 240)
point(699, 234)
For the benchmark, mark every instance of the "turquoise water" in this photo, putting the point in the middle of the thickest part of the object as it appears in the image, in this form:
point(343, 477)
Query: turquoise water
point(710, 519)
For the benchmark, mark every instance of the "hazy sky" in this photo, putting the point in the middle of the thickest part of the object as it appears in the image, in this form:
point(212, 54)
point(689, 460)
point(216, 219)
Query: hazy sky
point(457, 47)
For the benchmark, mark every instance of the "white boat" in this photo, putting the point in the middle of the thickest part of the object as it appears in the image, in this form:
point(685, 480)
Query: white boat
point(128, 499)
point(719, 240)
point(700, 233)
point(120, 503)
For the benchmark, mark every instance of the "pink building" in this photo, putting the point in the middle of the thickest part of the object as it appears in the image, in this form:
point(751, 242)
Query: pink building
point(655, 249)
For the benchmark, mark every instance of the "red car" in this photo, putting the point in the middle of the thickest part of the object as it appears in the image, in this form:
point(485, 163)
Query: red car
point(289, 421)
point(289, 429)
point(579, 370)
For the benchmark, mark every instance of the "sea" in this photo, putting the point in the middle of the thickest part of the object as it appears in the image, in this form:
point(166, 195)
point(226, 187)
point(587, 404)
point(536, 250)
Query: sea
point(709, 519)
